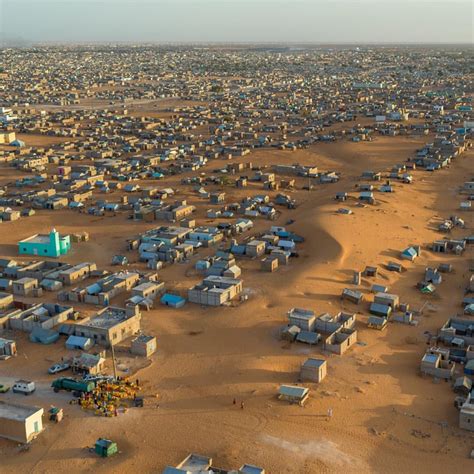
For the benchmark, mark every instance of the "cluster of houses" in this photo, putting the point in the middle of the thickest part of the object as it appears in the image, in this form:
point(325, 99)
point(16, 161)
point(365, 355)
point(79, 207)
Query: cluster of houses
point(108, 159)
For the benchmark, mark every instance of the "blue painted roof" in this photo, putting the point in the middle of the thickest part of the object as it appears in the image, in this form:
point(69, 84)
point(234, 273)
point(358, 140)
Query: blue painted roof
point(169, 298)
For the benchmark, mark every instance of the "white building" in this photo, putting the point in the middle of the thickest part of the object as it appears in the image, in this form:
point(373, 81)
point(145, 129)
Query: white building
point(20, 423)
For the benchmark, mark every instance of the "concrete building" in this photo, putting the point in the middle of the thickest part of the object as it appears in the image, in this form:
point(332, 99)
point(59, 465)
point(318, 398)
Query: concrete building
point(215, 290)
point(88, 364)
point(76, 273)
point(41, 316)
point(387, 299)
point(50, 245)
point(20, 423)
point(7, 348)
point(255, 248)
point(437, 364)
point(313, 370)
point(25, 286)
point(111, 325)
point(102, 291)
point(149, 289)
point(269, 264)
point(466, 414)
point(143, 345)
point(303, 318)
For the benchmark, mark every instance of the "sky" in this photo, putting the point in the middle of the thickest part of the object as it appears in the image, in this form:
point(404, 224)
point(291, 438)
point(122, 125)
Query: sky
point(242, 21)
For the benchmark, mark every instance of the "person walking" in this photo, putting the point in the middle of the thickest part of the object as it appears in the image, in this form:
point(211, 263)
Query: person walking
point(329, 413)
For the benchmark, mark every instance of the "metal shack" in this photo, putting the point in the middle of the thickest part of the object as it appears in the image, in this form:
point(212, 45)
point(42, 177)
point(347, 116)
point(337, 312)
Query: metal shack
point(20, 423)
point(293, 394)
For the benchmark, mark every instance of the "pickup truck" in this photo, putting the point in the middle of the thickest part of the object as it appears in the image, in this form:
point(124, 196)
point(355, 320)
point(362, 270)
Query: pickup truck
point(76, 386)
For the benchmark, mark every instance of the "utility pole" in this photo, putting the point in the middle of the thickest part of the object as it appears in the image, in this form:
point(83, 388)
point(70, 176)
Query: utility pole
point(113, 360)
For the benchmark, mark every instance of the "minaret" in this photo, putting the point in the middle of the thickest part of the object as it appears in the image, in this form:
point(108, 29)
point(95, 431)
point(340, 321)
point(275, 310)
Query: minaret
point(54, 241)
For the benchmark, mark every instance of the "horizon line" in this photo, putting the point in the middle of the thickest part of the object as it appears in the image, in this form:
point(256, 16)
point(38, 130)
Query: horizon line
point(28, 43)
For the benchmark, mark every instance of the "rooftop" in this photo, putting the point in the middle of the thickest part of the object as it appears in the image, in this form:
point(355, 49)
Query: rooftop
point(107, 318)
point(15, 412)
point(37, 239)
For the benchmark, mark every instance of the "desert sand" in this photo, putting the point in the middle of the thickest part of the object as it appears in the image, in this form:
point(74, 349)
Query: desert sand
point(386, 418)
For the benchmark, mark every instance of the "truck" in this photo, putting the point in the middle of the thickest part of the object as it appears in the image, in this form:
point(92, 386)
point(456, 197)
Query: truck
point(26, 387)
point(76, 386)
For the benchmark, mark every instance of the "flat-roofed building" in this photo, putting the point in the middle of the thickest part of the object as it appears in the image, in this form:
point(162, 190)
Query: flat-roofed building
point(111, 325)
point(20, 423)
point(313, 370)
point(215, 290)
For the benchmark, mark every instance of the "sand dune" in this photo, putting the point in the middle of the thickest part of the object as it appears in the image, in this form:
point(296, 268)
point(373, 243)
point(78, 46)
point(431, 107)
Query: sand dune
point(206, 357)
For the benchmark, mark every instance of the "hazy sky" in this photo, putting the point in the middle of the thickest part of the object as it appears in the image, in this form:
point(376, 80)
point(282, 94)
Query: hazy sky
point(318, 21)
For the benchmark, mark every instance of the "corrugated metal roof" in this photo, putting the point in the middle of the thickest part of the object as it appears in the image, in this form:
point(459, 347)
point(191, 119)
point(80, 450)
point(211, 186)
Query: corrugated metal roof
point(293, 391)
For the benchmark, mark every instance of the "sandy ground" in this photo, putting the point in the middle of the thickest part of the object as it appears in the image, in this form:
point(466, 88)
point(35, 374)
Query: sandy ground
point(387, 419)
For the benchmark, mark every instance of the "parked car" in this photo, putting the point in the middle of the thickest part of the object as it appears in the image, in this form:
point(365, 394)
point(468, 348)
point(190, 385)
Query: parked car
point(4, 388)
point(25, 387)
point(56, 368)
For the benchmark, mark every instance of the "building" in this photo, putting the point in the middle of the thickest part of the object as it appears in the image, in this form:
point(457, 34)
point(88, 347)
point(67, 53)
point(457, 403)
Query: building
point(111, 325)
point(436, 363)
point(7, 348)
point(143, 345)
point(466, 414)
point(149, 289)
point(174, 301)
point(198, 464)
point(215, 290)
point(76, 273)
point(387, 299)
point(41, 316)
point(269, 264)
point(50, 245)
point(88, 364)
point(25, 286)
point(104, 290)
point(303, 318)
point(313, 370)
point(20, 423)
point(293, 394)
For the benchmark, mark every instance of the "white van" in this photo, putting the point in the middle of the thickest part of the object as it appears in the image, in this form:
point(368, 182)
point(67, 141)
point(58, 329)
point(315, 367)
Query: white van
point(23, 386)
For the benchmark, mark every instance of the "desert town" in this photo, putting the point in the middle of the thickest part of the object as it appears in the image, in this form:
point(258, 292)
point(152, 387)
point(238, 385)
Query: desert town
point(257, 258)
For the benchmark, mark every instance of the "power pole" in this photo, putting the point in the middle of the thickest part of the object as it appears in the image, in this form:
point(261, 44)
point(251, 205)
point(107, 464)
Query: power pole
point(113, 360)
